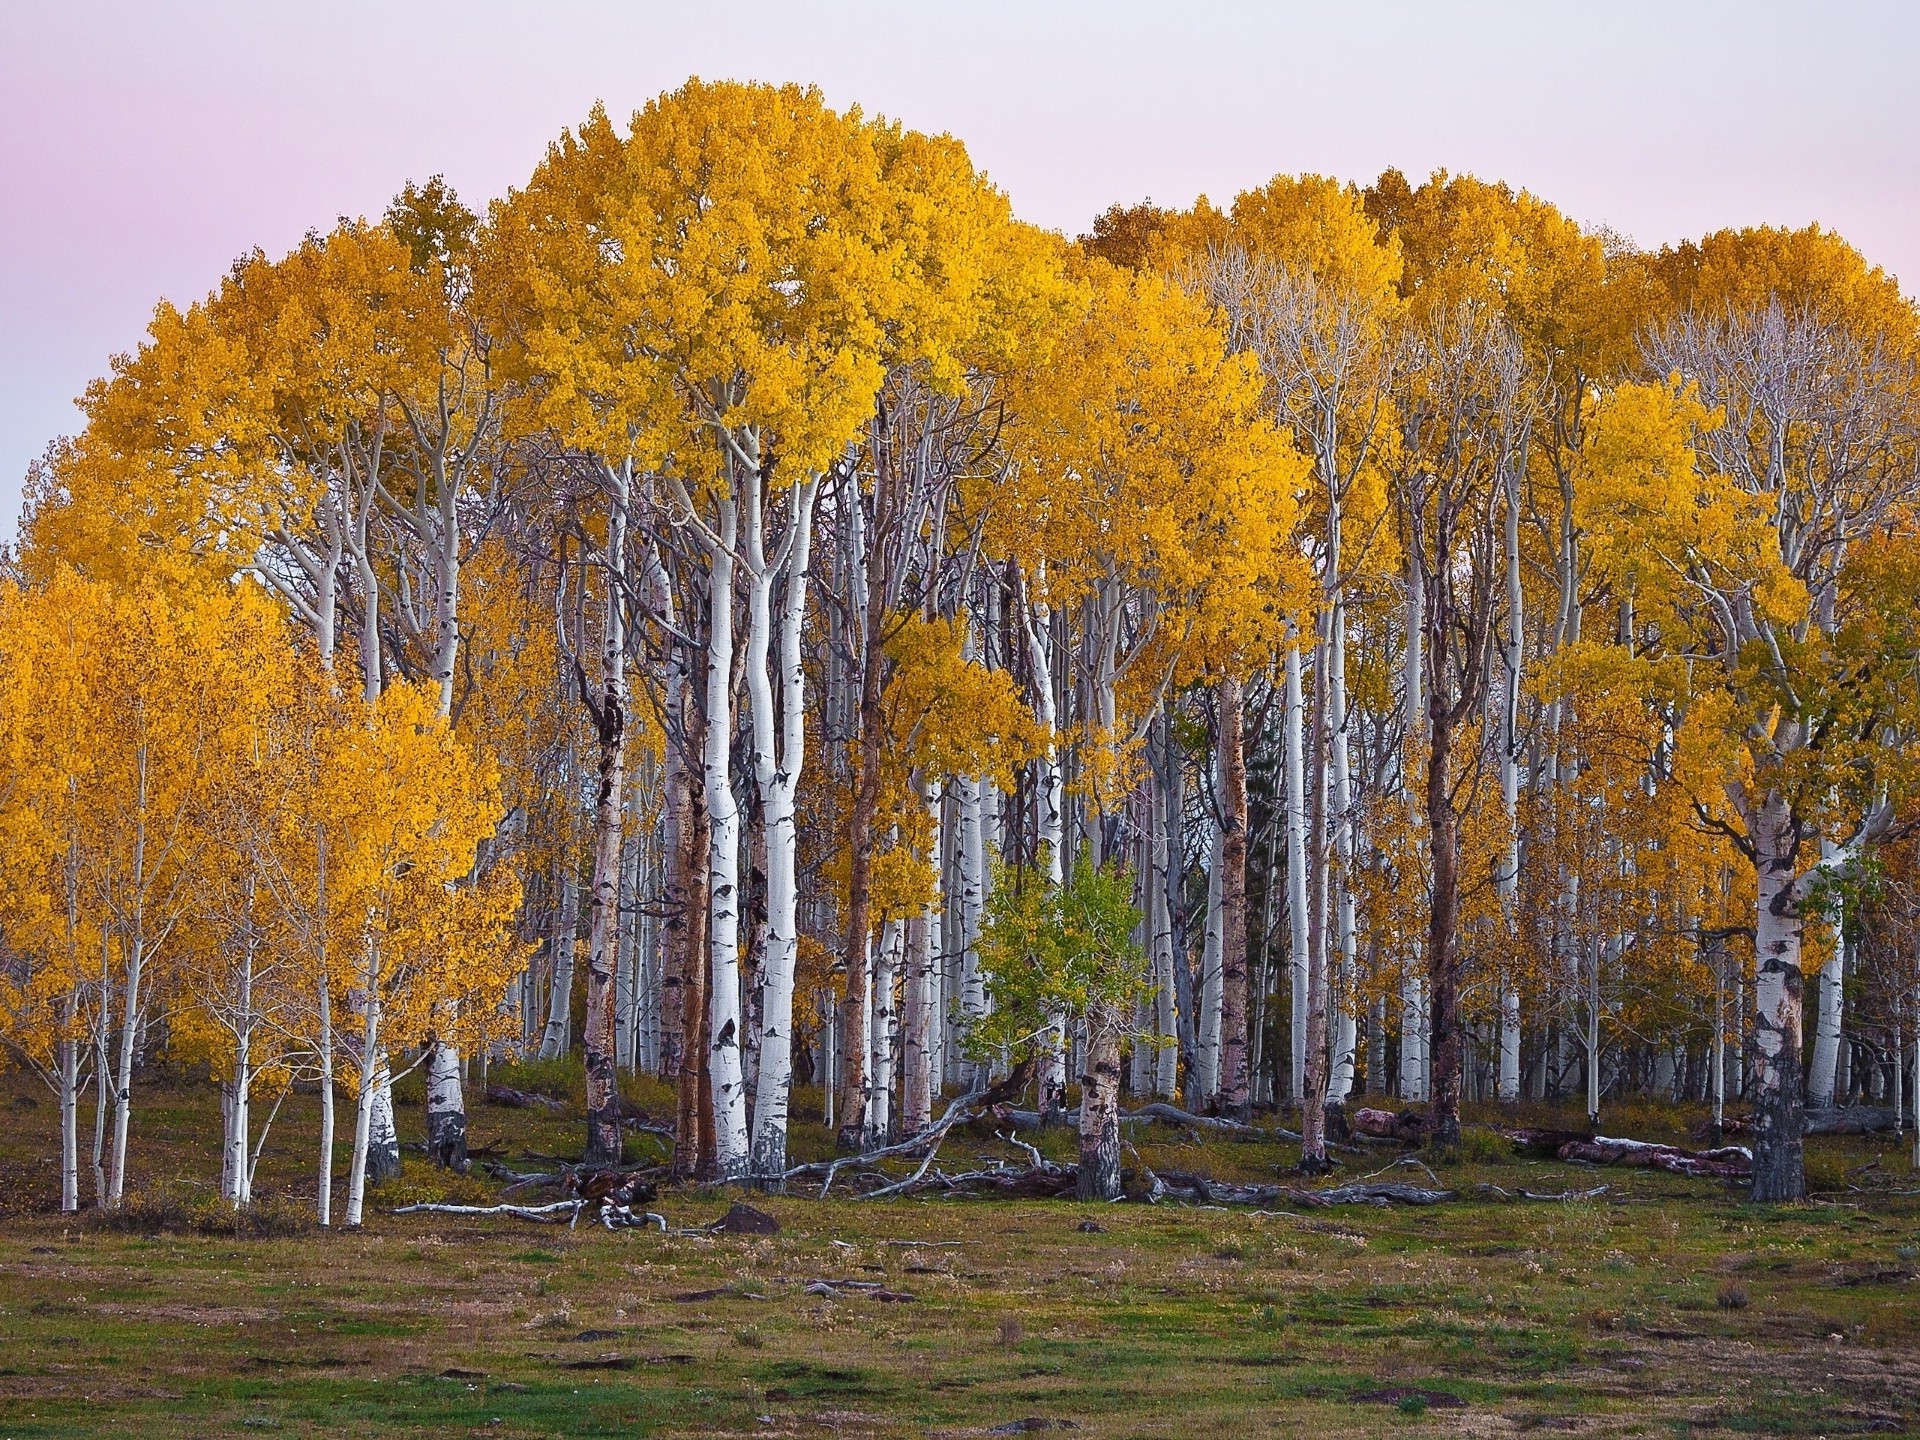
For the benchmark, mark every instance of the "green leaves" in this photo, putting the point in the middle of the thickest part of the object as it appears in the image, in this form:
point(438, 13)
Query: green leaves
point(1048, 951)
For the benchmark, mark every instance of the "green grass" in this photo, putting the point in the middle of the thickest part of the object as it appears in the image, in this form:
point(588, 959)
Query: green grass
point(1474, 1318)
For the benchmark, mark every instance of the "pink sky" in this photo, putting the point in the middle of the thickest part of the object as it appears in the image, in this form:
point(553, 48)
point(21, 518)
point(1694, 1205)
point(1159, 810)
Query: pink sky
point(143, 146)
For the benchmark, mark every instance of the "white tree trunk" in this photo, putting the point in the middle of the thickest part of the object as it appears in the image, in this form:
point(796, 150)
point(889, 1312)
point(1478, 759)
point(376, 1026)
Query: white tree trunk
point(779, 750)
point(69, 1067)
point(371, 1072)
point(323, 1198)
point(557, 1038)
point(970, 819)
point(383, 1141)
point(1824, 1068)
point(1206, 1049)
point(123, 1069)
point(1166, 1020)
point(723, 925)
point(1346, 938)
point(1413, 1034)
point(1052, 802)
point(1509, 1044)
point(1294, 741)
point(881, 1031)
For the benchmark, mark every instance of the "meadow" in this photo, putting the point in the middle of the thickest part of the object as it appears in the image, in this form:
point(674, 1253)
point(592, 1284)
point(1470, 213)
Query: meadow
point(1664, 1306)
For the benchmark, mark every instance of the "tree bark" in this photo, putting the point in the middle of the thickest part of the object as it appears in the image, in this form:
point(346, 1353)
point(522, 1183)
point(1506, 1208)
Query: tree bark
point(1099, 1173)
point(1234, 1091)
point(724, 1041)
point(1443, 979)
point(687, 935)
point(1779, 1172)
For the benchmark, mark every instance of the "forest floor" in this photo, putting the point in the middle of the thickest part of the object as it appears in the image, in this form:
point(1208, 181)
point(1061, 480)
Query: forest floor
point(1666, 1306)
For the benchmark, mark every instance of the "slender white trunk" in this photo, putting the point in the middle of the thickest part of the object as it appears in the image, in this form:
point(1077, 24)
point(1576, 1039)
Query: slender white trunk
point(1052, 801)
point(1509, 1044)
point(1413, 1034)
point(372, 1070)
point(1508, 880)
point(1346, 938)
point(1166, 1057)
point(383, 1142)
point(1294, 742)
point(723, 866)
point(1206, 1049)
point(123, 1073)
point(779, 751)
point(916, 1057)
point(1823, 1070)
point(881, 1031)
point(323, 1206)
point(236, 1171)
point(972, 854)
point(557, 1038)
point(67, 1060)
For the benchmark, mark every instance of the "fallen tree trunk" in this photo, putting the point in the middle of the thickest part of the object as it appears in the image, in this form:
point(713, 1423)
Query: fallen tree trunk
point(1222, 1192)
point(1728, 1162)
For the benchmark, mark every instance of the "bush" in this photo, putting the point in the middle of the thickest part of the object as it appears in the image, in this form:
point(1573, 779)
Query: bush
point(1481, 1147)
point(428, 1185)
point(169, 1212)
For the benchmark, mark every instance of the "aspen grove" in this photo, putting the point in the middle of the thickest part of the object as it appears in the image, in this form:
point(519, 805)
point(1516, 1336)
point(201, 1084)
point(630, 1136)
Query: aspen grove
point(749, 610)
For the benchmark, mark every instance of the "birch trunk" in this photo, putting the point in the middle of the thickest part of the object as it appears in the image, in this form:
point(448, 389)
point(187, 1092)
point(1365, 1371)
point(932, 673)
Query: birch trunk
point(1508, 880)
point(557, 1039)
point(779, 754)
point(1774, 1055)
point(323, 1192)
point(1313, 1118)
point(371, 1069)
point(68, 1062)
point(879, 1094)
point(860, 995)
point(687, 912)
point(1206, 1050)
point(1297, 957)
point(724, 1021)
point(605, 1133)
point(383, 1145)
point(1343, 1018)
point(970, 844)
point(1443, 979)
point(916, 1057)
point(1037, 621)
point(1824, 1068)
point(123, 1069)
point(1166, 1020)
point(236, 1171)
point(1099, 1174)
point(1235, 1097)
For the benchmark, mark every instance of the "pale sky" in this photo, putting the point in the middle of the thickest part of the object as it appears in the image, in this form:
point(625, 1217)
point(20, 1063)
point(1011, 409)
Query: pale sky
point(144, 144)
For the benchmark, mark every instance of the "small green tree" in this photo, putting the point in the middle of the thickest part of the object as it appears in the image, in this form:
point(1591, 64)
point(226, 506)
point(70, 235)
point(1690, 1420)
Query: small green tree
point(1050, 950)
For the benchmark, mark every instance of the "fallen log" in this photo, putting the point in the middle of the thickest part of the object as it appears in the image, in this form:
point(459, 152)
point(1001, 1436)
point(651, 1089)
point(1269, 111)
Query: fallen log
point(1727, 1162)
point(1494, 1192)
point(509, 1098)
point(612, 1216)
point(1852, 1120)
point(1221, 1192)
point(1544, 1143)
point(1408, 1126)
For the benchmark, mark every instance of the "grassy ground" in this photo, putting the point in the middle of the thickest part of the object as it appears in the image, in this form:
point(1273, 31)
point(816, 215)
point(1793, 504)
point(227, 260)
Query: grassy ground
point(1667, 1307)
